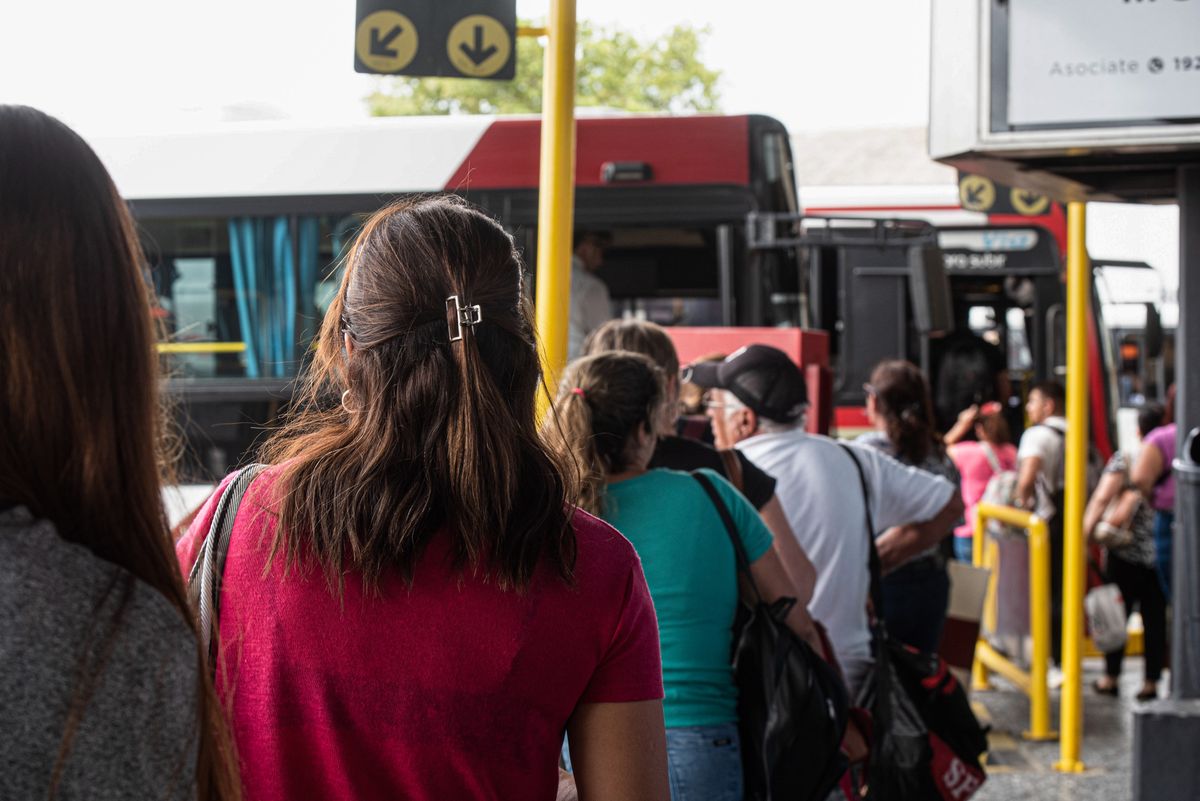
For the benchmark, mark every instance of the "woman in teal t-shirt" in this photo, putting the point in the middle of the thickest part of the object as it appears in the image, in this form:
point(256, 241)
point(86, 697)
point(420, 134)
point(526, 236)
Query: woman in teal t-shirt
point(604, 422)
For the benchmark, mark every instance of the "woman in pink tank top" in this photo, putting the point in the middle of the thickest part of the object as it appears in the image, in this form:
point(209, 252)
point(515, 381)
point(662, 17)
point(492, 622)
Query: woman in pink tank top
point(992, 452)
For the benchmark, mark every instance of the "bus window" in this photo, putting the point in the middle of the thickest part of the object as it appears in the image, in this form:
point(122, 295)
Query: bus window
point(192, 312)
point(1020, 355)
point(667, 275)
point(242, 297)
point(982, 322)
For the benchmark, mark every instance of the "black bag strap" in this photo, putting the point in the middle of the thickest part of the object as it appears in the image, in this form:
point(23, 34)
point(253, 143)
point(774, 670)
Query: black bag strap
point(739, 550)
point(872, 553)
point(208, 569)
point(1062, 435)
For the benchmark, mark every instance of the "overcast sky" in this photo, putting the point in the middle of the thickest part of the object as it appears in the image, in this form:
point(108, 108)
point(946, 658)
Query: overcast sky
point(126, 63)
point(134, 65)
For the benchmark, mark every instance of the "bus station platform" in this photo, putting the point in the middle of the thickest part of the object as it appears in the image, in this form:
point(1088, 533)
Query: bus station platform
point(1021, 770)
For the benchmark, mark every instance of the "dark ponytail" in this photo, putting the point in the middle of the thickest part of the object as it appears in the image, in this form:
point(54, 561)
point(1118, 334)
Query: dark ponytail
point(438, 429)
point(902, 399)
point(602, 402)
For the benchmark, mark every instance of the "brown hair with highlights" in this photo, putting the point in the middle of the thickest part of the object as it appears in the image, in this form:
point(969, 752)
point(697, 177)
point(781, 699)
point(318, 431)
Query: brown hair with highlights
point(434, 435)
point(602, 400)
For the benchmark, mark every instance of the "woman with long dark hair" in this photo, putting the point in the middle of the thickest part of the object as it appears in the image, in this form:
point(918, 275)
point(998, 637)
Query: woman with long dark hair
point(411, 605)
point(105, 690)
point(606, 421)
point(917, 592)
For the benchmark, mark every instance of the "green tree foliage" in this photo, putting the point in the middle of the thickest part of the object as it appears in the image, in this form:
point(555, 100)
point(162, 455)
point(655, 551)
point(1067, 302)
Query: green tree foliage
point(614, 69)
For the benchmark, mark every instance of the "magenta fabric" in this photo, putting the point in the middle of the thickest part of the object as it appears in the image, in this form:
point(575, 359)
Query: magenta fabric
point(975, 470)
point(451, 689)
point(1163, 438)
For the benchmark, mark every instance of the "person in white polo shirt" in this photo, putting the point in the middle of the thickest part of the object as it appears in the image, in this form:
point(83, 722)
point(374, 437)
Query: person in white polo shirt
point(757, 404)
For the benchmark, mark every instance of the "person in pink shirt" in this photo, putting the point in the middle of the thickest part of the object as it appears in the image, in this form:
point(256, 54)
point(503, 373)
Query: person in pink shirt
point(410, 606)
point(992, 452)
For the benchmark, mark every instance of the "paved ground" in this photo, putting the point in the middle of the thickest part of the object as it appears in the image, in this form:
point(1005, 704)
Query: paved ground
point(1023, 771)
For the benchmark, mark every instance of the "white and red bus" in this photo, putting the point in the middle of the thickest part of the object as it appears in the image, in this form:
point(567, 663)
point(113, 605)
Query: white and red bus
point(244, 223)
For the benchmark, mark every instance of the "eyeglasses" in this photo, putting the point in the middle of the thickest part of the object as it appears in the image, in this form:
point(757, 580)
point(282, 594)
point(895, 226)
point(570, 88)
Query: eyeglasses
point(711, 401)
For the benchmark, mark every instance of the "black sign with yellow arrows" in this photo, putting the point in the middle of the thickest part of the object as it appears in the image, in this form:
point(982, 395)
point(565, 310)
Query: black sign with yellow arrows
point(447, 38)
point(979, 193)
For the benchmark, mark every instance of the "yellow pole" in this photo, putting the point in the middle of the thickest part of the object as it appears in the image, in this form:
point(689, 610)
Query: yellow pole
point(979, 671)
point(1039, 629)
point(1078, 284)
point(556, 193)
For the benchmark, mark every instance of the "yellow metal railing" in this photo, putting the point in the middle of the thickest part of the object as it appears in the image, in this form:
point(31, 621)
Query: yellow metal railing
point(175, 348)
point(1032, 682)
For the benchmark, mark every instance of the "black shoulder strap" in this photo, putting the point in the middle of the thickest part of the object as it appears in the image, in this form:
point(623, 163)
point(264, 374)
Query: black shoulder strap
point(1061, 434)
point(872, 553)
point(739, 550)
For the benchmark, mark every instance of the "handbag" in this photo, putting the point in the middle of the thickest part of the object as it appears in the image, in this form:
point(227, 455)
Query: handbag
point(792, 705)
point(1105, 610)
point(208, 569)
point(1112, 536)
point(927, 743)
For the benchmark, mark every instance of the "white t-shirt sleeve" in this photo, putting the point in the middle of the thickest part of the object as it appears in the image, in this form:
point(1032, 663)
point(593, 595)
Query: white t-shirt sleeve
point(899, 493)
point(1037, 441)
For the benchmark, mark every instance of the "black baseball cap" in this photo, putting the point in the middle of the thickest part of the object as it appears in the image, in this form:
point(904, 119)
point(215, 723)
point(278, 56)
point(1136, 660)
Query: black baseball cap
point(762, 377)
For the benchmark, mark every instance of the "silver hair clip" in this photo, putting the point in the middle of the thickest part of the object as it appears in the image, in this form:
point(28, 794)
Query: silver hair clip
point(459, 315)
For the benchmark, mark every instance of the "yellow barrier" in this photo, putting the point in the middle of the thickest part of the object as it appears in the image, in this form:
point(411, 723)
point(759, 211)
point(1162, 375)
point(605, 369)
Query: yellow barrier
point(1032, 682)
point(201, 347)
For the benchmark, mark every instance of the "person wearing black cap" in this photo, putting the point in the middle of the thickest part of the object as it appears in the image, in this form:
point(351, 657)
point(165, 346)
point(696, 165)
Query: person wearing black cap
point(766, 382)
point(679, 453)
point(757, 405)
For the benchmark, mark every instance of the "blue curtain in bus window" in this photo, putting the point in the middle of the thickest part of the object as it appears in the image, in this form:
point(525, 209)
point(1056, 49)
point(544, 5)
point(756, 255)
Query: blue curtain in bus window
point(308, 257)
point(283, 302)
point(267, 254)
point(244, 260)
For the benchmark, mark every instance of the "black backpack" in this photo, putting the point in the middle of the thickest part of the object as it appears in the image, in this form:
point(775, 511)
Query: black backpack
point(926, 743)
point(792, 705)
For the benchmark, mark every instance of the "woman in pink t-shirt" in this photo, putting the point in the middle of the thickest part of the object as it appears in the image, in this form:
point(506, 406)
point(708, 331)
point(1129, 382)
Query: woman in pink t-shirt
point(992, 452)
point(410, 608)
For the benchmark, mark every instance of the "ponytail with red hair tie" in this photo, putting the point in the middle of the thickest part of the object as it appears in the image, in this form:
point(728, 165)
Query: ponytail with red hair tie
point(578, 391)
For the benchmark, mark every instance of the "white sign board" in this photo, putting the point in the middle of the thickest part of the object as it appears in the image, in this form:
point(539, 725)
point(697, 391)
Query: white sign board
point(1103, 61)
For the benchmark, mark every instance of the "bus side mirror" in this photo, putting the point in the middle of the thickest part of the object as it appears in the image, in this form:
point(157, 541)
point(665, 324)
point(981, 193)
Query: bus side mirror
point(1153, 332)
point(929, 288)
